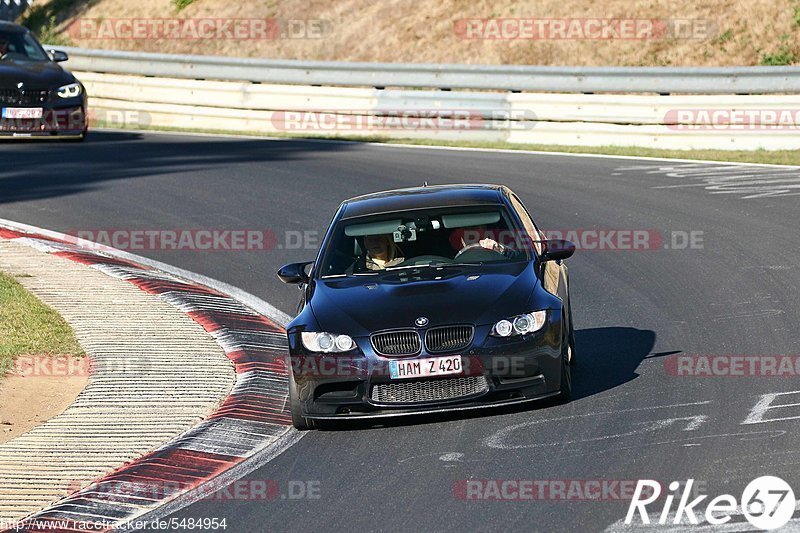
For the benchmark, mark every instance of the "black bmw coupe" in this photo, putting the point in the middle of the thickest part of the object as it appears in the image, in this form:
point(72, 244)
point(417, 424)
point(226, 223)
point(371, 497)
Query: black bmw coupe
point(429, 299)
point(37, 97)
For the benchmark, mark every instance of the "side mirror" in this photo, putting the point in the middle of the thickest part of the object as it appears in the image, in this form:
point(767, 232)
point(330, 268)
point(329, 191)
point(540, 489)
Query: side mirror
point(58, 56)
point(557, 249)
point(294, 273)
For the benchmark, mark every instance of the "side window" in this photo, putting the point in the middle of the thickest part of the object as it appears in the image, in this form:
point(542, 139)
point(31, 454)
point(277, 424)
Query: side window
point(530, 227)
point(30, 50)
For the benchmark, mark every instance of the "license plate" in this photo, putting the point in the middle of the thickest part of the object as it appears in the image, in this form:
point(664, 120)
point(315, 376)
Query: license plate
point(22, 112)
point(421, 368)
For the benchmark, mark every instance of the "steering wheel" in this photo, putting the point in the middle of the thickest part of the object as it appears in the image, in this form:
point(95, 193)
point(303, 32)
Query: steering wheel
point(477, 245)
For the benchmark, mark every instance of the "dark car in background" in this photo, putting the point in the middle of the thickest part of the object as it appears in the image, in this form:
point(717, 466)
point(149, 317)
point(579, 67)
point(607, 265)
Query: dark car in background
point(38, 98)
point(429, 299)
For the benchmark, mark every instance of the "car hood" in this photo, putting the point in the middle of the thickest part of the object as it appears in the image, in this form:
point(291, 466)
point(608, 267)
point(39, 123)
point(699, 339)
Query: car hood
point(34, 74)
point(364, 304)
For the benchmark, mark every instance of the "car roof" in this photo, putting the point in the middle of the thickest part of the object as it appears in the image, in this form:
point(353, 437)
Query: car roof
point(10, 27)
point(421, 198)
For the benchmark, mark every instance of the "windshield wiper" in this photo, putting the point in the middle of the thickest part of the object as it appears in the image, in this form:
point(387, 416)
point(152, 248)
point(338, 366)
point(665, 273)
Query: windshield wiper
point(438, 265)
point(407, 267)
point(432, 265)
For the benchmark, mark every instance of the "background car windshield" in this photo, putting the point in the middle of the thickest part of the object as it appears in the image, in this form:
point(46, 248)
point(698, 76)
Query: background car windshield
point(20, 47)
point(422, 238)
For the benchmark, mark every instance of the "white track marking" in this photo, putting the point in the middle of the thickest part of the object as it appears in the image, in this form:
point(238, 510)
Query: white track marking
point(750, 181)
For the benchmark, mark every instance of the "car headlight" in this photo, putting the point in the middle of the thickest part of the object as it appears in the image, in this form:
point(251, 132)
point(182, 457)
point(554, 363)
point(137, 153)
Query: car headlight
point(327, 342)
point(520, 324)
point(69, 91)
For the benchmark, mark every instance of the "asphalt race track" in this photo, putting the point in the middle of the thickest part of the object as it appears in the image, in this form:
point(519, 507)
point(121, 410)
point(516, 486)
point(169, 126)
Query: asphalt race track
point(733, 292)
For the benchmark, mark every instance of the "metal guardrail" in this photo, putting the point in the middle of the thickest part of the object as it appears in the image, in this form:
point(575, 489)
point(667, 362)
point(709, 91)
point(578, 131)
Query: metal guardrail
point(664, 80)
point(528, 105)
point(528, 118)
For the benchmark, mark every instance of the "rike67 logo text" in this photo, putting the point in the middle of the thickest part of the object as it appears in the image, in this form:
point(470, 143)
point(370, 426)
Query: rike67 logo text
point(767, 502)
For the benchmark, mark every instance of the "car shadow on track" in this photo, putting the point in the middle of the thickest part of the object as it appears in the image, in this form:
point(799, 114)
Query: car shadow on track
point(606, 358)
point(43, 169)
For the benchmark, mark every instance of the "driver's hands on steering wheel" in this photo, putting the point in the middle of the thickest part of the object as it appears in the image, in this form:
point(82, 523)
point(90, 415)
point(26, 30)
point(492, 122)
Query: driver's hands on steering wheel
point(491, 244)
point(486, 244)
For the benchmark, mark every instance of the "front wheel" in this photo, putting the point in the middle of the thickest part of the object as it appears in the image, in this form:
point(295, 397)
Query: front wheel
point(298, 420)
point(565, 392)
point(571, 337)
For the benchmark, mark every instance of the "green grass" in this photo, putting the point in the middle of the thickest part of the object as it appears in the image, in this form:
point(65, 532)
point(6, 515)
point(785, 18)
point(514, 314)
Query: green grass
point(777, 157)
point(49, 35)
point(29, 327)
point(784, 56)
point(181, 4)
point(724, 37)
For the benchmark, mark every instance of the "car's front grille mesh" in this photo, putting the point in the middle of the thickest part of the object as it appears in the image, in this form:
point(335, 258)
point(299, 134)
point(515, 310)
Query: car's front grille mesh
point(431, 390)
point(405, 342)
point(30, 97)
point(448, 338)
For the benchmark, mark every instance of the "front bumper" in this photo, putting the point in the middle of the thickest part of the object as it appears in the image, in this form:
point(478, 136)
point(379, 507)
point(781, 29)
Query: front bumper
point(56, 122)
point(331, 387)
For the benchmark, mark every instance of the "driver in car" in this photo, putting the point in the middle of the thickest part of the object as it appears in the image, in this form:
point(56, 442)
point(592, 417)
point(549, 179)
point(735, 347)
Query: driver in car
point(382, 252)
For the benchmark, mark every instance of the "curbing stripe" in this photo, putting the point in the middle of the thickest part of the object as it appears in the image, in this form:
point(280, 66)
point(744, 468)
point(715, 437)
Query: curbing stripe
point(253, 416)
point(262, 307)
point(145, 338)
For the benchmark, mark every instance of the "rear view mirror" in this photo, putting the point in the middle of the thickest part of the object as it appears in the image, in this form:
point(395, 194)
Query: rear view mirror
point(294, 273)
point(58, 56)
point(557, 250)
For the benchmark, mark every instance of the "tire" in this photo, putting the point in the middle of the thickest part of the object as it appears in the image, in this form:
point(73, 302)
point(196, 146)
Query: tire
point(300, 422)
point(572, 359)
point(565, 391)
point(571, 347)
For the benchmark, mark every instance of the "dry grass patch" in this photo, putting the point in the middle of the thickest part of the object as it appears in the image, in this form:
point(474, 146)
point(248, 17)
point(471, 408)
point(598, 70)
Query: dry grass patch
point(739, 32)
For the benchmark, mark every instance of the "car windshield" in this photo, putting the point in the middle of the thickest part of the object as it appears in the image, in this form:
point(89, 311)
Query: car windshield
point(422, 238)
point(15, 46)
